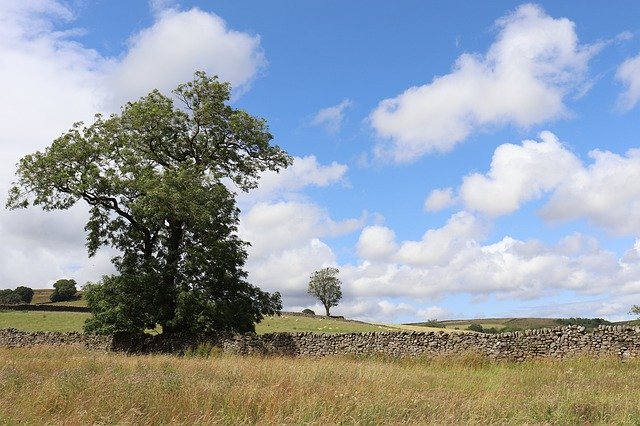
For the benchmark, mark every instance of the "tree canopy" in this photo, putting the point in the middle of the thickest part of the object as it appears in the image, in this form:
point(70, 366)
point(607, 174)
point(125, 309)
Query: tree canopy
point(324, 285)
point(63, 290)
point(156, 178)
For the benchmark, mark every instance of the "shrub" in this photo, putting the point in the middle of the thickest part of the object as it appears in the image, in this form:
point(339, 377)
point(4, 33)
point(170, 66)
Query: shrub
point(9, 297)
point(25, 293)
point(64, 290)
point(308, 312)
point(588, 323)
point(432, 323)
point(476, 327)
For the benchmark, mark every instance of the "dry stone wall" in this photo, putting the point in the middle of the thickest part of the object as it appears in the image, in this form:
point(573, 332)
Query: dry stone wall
point(617, 341)
point(12, 338)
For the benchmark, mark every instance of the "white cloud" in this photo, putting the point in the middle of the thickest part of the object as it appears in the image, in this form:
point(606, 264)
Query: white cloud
point(519, 173)
point(629, 74)
point(439, 199)
point(438, 246)
point(376, 242)
point(523, 78)
point(305, 171)
point(453, 260)
point(276, 226)
point(606, 192)
point(332, 117)
point(178, 43)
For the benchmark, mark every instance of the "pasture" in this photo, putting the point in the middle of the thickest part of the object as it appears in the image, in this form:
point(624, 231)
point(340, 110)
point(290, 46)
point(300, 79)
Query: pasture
point(72, 386)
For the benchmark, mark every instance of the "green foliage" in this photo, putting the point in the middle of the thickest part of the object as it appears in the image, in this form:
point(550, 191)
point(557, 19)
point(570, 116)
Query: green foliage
point(64, 290)
point(308, 311)
point(475, 327)
point(432, 323)
point(25, 293)
point(635, 310)
point(491, 330)
point(588, 323)
point(324, 285)
point(153, 177)
point(9, 297)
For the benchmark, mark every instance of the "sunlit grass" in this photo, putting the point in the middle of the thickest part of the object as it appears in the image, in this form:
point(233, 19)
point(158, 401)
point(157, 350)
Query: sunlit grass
point(73, 321)
point(43, 320)
point(317, 324)
point(72, 386)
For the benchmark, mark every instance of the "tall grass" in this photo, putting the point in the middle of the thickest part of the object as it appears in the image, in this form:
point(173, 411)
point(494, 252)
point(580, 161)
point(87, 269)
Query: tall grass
point(72, 386)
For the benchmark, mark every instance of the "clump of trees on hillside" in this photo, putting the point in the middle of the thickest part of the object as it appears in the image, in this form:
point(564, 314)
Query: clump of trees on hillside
point(64, 290)
point(20, 295)
point(588, 323)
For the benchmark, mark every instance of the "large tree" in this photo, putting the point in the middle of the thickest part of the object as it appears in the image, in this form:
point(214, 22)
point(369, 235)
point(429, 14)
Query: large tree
point(156, 179)
point(324, 285)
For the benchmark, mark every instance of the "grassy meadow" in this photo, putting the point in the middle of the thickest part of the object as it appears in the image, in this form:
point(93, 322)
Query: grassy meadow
point(73, 321)
point(43, 320)
point(72, 386)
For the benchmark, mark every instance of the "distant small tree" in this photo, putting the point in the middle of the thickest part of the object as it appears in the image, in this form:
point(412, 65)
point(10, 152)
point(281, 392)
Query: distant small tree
point(9, 297)
point(324, 285)
point(25, 293)
point(63, 290)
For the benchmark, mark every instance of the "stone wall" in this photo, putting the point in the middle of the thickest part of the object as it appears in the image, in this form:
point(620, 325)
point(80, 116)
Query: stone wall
point(617, 341)
point(44, 307)
point(12, 338)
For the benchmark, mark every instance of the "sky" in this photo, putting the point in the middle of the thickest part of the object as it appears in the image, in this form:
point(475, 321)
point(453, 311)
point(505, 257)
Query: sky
point(454, 159)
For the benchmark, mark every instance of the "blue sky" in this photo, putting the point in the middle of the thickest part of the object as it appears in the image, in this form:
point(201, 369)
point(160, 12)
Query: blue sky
point(453, 158)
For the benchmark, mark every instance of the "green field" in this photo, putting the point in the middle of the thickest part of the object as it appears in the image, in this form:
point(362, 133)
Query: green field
point(43, 296)
point(43, 321)
point(73, 321)
point(73, 386)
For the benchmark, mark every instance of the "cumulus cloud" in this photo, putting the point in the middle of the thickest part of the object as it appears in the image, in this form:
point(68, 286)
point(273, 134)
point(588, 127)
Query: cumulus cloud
point(453, 260)
point(605, 192)
point(331, 117)
point(276, 226)
point(376, 242)
point(178, 43)
point(439, 199)
point(305, 171)
point(439, 245)
point(628, 74)
point(522, 79)
point(519, 173)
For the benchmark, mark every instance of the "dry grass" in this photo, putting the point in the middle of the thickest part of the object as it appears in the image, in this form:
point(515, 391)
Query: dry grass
point(72, 386)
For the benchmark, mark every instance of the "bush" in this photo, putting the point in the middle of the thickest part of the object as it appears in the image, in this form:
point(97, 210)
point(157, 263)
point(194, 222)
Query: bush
point(64, 290)
point(308, 312)
point(9, 297)
point(588, 323)
point(25, 293)
point(432, 323)
point(476, 327)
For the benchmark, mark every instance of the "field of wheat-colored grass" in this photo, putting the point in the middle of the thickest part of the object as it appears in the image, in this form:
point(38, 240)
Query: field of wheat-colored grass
point(72, 386)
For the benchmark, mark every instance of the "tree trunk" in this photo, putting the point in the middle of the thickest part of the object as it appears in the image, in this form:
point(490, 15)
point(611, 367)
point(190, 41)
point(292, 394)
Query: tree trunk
point(327, 308)
point(168, 291)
